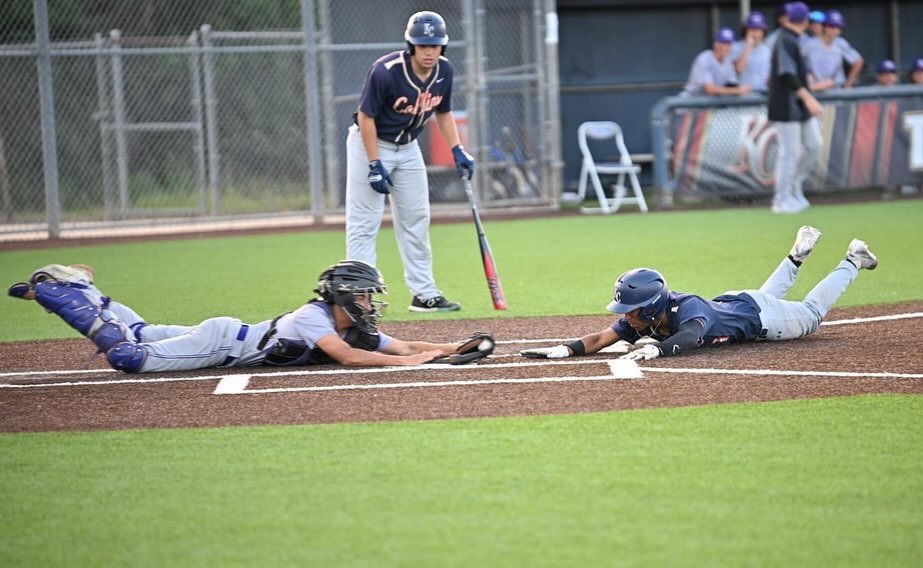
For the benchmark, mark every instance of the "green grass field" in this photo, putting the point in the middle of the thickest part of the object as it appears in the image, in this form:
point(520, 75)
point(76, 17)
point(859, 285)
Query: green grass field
point(803, 483)
point(833, 482)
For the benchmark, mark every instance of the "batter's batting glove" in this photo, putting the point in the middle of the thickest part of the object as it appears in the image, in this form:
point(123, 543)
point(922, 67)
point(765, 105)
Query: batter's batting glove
point(463, 161)
point(378, 177)
point(556, 352)
point(646, 352)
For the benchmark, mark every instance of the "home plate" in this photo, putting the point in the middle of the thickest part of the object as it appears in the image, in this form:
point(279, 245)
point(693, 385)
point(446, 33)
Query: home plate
point(625, 369)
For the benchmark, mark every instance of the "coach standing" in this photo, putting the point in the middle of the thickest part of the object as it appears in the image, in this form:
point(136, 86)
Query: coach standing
point(792, 108)
point(401, 91)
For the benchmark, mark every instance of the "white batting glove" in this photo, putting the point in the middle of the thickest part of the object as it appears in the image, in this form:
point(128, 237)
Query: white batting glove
point(556, 352)
point(646, 352)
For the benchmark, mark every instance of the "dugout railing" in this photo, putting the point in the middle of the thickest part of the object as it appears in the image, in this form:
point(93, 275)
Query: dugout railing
point(724, 148)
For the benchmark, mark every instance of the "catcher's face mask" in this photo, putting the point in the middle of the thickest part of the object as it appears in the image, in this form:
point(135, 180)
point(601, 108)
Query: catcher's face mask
point(365, 311)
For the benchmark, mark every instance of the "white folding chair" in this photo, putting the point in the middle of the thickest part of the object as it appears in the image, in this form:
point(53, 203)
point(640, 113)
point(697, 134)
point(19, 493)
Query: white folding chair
point(600, 132)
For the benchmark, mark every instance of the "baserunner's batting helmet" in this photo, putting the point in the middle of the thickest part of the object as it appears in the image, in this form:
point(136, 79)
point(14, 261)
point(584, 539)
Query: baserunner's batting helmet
point(643, 288)
point(341, 283)
point(426, 28)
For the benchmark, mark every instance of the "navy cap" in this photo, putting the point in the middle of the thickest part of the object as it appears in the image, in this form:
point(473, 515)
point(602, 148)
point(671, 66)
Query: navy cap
point(796, 12)
point(756, 21)
point(724, 35)
point(886, 66)
point(834, 19)
point(917, 64)
point(817, 17)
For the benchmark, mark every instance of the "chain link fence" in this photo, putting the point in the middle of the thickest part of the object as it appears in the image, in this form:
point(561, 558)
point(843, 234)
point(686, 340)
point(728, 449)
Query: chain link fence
point(164, 112)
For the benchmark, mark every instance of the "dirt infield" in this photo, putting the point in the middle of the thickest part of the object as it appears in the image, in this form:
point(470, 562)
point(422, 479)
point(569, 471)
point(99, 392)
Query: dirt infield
point(44, 387)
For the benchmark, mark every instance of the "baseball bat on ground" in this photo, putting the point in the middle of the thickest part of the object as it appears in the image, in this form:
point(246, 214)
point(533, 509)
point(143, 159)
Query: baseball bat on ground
point(490, 267)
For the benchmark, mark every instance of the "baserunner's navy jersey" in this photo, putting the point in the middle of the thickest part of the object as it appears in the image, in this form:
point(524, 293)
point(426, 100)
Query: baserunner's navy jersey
point(399, 101)
point(729, 318)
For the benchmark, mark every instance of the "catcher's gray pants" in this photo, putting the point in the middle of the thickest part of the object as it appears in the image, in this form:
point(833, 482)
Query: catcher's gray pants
point(409, 209)
point(799, 153)
point(216, 342)
point(785, 319)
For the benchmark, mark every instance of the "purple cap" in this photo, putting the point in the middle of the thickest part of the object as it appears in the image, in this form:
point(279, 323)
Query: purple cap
point(917, 64)
point(756, 21)
point(834, 19)
point(796, 12)
point(724, 35)
point(886, 66)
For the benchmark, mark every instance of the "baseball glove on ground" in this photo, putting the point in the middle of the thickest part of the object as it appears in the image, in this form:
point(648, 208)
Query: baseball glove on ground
point(477, 346)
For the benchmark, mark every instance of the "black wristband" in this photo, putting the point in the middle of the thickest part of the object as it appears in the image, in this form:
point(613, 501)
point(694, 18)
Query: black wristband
point(577, 347)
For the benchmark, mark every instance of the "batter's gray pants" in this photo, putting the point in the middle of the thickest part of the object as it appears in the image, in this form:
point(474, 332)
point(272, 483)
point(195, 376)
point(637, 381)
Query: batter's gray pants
point(409, 209)
point(785, 319)
point(799, 154)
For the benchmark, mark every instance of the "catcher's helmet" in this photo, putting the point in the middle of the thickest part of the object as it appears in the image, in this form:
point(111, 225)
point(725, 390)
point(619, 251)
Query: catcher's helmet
point(426, 28)
point(341, 283)
point(643, 288)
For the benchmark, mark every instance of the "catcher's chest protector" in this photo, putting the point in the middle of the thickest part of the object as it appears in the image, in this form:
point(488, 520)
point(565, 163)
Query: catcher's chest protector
point(287, 352)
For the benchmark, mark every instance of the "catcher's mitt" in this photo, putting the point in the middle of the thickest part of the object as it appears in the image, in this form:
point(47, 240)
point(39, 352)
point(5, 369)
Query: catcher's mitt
point(477, 346)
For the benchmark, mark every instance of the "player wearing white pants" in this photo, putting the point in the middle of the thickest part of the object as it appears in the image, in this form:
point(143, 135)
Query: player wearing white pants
point(681, 322)
point(401, 92)
point(783, 319)
point(799, 153)
point(794, 112)
point(409, 209)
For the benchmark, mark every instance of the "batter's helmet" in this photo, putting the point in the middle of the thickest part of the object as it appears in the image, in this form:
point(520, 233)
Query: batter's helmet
point(643, 288)
point(341, 283)
point(426, 28)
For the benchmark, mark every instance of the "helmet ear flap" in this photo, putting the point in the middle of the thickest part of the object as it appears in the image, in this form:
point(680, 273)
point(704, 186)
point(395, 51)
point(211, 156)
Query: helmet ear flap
point(651, 312)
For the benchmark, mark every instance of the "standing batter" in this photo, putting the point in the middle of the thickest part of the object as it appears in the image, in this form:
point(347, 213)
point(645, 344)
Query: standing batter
point(682, 322)
point(339, 326)
point(402, 90)
point(792, 108)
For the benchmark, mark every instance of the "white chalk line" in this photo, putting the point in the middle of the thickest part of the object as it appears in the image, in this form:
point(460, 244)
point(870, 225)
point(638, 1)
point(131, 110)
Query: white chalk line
point(238, 385)
point(244, 390)
point(875, 318)
point(772, 372)
point(313, 373)
point(618, 370)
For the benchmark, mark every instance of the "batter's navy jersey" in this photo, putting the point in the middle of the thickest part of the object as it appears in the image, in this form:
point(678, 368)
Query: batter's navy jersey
point(730, 318)
point(399, 101)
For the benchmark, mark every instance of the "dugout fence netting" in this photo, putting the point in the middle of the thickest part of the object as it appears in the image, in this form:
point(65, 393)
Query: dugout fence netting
point(147, 115)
